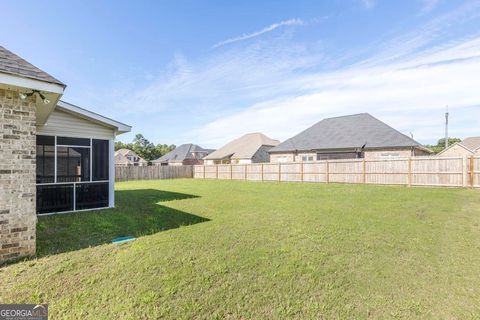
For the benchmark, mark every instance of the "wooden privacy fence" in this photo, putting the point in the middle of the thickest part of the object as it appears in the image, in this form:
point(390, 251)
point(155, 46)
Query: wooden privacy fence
point(415, 171)
point(152, 172)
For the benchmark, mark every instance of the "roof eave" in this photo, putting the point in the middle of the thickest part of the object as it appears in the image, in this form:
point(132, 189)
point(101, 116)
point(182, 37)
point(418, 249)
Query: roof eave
point(31, 83)
point(350, 148)
point(51, 91)
point(218, 158)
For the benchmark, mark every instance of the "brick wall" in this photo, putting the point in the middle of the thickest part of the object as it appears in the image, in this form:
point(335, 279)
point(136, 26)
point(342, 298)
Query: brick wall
point(17, 176)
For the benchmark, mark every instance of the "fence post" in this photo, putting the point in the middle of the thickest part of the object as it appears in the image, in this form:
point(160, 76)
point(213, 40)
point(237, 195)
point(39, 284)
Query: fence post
point(364, 174)
point(204, 172)
point(231, 169)
point(327, 171)
point(262, 171)
point(301, 170)
point(245, 171)
point(279, 172)
point(409, 177)
point(464, 171)
point(472, 173)
point(216, 171)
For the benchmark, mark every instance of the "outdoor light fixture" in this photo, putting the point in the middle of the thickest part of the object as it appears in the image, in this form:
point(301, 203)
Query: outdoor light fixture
point(24, 96)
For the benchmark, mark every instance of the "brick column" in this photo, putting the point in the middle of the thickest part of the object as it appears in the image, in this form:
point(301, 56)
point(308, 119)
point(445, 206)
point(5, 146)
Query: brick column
point(17, 176)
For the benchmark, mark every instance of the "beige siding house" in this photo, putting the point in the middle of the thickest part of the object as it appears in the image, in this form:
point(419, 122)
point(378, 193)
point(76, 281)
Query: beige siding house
point(347, 137)
point(55, 156)
point(126, 157)
point(467, 147)
point(250, 148)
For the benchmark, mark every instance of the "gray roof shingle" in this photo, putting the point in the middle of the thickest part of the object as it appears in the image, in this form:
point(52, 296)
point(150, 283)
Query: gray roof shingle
point(244, 147)
point(12, 64)
point(346, 132)
point(182, 153)
point(471, 143)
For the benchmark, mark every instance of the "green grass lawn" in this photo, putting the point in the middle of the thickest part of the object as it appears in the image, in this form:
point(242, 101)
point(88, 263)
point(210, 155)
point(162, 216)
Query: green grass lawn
point(246, 250)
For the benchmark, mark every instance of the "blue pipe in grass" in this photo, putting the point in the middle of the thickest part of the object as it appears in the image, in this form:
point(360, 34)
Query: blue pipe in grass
point(123, 239)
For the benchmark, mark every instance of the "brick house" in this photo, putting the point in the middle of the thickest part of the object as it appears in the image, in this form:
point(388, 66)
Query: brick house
point(347, 137)
point(54, 156)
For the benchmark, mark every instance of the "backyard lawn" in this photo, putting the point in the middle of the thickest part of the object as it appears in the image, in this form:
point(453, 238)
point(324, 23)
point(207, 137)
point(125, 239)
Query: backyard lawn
point(246, 250)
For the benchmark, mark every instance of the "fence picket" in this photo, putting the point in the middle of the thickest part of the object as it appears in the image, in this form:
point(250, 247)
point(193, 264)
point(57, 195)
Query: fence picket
point(412, 171)
point(153, 172)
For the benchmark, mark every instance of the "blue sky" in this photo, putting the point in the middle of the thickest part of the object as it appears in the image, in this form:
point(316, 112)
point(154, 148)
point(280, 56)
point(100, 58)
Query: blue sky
point(209, 71)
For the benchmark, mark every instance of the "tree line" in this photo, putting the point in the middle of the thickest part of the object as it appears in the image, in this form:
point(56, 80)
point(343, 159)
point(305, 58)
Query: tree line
point(437, 148)
point(144, 148)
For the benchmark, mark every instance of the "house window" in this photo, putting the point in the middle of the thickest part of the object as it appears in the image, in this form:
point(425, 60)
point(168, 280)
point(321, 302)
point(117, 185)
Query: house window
point(307, 158)
point(72, 174)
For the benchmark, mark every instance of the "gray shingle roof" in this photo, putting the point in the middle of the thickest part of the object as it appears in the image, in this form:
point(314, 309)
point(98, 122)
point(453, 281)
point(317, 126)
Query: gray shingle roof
point(182, 152)
point(12, 64)
point(346, 132)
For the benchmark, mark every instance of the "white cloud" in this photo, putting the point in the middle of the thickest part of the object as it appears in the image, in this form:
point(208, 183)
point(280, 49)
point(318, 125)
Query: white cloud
point(280, 87)
point(270, 28)
point(441, 31)
point(410, 95)
point(429, 5)
point(224, 80)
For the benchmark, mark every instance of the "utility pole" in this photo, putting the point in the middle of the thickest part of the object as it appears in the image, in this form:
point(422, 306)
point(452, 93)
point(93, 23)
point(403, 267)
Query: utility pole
point(446, 129)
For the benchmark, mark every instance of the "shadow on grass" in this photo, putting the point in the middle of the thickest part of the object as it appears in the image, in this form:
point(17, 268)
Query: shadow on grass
point(137, 213)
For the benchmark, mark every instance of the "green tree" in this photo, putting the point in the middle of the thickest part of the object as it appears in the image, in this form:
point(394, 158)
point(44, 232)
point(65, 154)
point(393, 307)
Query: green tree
point(144, 148)
point(441, 144)
point(120, 145)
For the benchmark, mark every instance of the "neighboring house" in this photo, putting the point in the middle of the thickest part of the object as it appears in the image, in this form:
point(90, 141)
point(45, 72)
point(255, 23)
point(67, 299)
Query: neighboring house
point(467, 147)
point(186, 154)
point(54, 157)
point(347, 137)
point(250, 148)
point(126, 157)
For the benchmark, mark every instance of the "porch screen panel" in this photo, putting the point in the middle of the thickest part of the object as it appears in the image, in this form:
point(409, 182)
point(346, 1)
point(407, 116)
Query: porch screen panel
point(54, 198)
point(73, 164)
point(91, 195)
point(100, 160)
point(72, 174)
point(45, 159)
